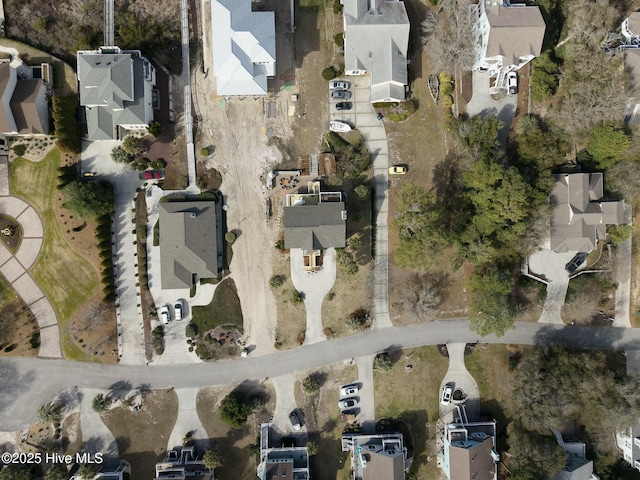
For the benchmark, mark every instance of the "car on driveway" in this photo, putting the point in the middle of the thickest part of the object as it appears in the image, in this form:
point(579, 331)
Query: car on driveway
point(349, 390)
point(347, 403)
point(165, 315)
point(177, 307)
point(343, 106)
point(397, 170)
point(341, 94)
point(576, 262)
point(295, 420)
point(512, 83)
point(447, 392)
point(338, 126)
point(153, 175)
point(338, 85)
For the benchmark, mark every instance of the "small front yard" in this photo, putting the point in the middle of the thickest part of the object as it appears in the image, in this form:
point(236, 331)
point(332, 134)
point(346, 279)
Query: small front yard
point(142, 436)
point(590, 300)
point(238, 446)
point(292, 319)
point(19, 333)
point(412, 395)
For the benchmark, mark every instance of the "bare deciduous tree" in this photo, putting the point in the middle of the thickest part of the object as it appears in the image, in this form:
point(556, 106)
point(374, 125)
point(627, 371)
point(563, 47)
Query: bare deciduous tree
point(421, 295)
point(448, 36)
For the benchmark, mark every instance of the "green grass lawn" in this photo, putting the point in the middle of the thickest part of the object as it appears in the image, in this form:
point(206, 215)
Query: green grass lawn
point(66, 278)
point(224, 309)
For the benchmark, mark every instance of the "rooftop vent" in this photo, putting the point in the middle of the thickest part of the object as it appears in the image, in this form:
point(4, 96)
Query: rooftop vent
point(343, 214)
point(194, 215)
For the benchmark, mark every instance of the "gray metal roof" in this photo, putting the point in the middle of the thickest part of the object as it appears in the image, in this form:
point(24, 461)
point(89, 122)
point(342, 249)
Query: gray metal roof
point(188, 242)
point(315, 227)
point(112, 90)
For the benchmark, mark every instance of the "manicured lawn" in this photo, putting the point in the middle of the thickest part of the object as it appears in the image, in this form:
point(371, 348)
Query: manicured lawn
point(66, 278)
point(18, 326)
point(224, 309)
point(412, 396)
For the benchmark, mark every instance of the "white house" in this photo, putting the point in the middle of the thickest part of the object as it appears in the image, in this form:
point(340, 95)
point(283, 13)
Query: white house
point(507, 37)
point(629, 442)
point(244, 47)
point(376, 39)
point(631, 29)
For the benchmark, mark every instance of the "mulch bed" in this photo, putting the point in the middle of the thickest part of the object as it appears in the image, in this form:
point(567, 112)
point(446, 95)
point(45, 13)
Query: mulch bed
point(11, 241)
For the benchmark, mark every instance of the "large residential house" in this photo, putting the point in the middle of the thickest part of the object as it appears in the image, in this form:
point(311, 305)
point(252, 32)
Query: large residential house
point(580, 216)
point(314, 221)
point(376, 457)
point(281, 463)
point(507, 37)
point(376, 38)
point(183, 464)
point(244, 47)
point(24, 106)
point(116, 90)
point(469, 451)
point(577, 466)
point(121, 472)
point(190, 242)
point(629, 442)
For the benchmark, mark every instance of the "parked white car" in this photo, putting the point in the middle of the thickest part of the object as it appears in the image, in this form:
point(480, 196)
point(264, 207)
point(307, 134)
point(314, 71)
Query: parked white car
point(177, 307)
point(447, 392)
point(338, 126)
point(338, 85)
point(165, 315)
point(512, 83)
point(349, 390)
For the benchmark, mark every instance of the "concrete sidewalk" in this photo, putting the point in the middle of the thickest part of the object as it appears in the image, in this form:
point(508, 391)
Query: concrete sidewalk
point(315, 286)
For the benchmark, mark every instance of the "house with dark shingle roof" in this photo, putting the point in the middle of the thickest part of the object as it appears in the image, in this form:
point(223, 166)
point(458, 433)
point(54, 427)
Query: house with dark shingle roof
point(376, 457)
point(314, 222)
point(580, 215)
point(190, 242)
point(24, 108)
point(116, 91)
point(507, 37)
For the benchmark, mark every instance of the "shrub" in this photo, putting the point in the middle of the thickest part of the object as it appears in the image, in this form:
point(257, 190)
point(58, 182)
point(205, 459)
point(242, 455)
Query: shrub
point(133, 145)
point(311, 385)
point(155, 128)
point(158, 164)
point(337, 7)
point(234, 410)
point(276, 281)
point(383, 362)
point(191, 330)
point(346, 261)
point(619, 233)
point(329, 73)
point(544, 77)
point(119, 155)
point(204, 152)
point(339, 39)
point(447, 101)
point(65, 123)
point(230, 237)
point(19, 149)
point(297, 297)
point(361, 192)
point(280, 245)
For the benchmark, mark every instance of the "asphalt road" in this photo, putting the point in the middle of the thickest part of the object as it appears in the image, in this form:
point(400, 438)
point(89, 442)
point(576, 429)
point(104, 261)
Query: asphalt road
point(28, 382)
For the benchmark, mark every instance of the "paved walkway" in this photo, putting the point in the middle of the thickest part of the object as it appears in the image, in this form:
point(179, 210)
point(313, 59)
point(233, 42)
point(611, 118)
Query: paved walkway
point(4, 175)
point(315, 286)
point(188, 421)
point(96, 437)
point(28, 382)
point(367, 414)
point(372, 129)
point(461, 378)
point(15, 269)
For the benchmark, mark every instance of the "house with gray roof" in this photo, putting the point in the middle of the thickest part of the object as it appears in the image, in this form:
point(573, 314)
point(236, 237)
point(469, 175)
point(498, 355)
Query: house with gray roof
point(190, 242)
point(507, 37)
point(314, 222)
point(376, 39)
point(24, 106)
point(469, 451)
point(580, 215)
point(244, 47)
point(183, 463)
point(376, 457)
point(116, 91)
point(577, 466)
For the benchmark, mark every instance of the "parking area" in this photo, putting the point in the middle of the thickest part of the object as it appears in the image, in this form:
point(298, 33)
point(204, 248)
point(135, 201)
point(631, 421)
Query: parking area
point(361, 113)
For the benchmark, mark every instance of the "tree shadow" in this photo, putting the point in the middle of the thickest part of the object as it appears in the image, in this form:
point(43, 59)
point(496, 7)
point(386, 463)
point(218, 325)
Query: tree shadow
point(586, 338)
point(14, 383)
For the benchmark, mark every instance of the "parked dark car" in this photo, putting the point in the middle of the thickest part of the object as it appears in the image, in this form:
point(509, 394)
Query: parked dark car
point(295, 420)
point(576, 262)
point(343, 106)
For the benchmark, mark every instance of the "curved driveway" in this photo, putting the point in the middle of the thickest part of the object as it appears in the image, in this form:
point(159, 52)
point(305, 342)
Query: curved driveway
point(14, 267)
point(28, 383)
